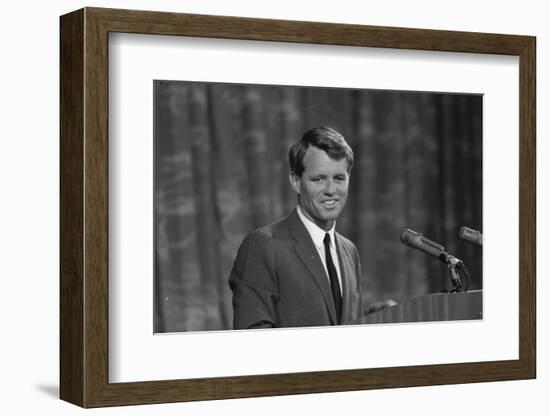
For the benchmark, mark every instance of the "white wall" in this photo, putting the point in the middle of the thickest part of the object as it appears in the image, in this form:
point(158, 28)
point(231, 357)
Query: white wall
point(29, 210)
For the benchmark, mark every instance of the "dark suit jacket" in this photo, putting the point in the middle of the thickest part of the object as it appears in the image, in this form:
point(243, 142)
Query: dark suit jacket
point(279, 280)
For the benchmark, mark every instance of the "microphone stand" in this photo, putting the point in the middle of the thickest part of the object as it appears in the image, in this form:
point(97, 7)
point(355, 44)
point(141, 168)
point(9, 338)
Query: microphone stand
point(455, 267)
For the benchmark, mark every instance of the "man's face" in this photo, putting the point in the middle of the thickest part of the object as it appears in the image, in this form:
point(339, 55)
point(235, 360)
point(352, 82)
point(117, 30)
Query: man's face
point(323, 187)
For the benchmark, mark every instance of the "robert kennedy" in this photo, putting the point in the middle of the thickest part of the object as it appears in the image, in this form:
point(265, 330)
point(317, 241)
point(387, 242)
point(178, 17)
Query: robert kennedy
point(299, 271)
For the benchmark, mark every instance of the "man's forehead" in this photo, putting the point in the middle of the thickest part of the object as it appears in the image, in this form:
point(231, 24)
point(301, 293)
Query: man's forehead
point(320, 160)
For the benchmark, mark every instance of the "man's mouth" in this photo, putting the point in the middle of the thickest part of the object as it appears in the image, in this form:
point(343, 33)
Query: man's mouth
point(329, 203)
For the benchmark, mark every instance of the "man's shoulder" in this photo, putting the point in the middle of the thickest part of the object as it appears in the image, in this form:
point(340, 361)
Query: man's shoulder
point(345, 243)
point(276, 230)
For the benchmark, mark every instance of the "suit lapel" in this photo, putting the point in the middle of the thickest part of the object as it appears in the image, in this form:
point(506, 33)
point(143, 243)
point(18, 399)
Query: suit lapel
point(306, 251)
point(346, 273)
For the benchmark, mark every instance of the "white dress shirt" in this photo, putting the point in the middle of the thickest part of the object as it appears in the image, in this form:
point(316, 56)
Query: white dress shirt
point(317, 235)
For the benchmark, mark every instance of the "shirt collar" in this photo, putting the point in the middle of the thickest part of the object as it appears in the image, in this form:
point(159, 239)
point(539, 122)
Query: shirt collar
point(317, 233)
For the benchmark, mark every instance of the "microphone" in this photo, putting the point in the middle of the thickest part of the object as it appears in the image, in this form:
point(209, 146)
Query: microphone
point(471, 236)
point(418, 241)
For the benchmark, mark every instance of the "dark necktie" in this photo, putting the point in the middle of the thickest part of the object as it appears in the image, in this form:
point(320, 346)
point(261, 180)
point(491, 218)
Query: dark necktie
point(333, 276)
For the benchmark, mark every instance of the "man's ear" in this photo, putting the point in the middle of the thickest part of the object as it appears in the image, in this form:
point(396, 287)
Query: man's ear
point(294, 182)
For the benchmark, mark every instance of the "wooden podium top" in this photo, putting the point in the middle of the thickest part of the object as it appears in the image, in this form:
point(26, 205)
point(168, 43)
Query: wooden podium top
point(431, 307)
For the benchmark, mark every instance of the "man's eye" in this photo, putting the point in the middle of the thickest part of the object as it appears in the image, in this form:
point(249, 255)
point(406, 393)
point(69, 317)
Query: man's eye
point(316, 180)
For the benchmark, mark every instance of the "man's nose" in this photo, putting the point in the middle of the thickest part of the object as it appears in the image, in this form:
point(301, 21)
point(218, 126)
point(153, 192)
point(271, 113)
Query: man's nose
point(330, 188)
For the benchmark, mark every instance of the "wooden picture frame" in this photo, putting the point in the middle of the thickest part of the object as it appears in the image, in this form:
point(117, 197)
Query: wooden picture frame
point(84, 207)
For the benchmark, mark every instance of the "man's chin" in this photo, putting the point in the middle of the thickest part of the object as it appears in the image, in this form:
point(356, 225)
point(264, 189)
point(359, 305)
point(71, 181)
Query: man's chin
point(329, 216)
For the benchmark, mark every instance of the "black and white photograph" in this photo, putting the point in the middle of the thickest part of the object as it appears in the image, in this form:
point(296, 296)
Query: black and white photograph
point(281, 206)
point(275, 208)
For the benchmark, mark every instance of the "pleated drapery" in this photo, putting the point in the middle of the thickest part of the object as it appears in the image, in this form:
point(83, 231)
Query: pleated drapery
point(221, 171)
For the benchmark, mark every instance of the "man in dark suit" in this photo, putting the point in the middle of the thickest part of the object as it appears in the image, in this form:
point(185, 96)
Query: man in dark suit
point(298, 271)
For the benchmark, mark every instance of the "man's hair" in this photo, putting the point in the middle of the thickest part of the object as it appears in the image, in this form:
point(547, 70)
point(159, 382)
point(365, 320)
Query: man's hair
point(324, 138)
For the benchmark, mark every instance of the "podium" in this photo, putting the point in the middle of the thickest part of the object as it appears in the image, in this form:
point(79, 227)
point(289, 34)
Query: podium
point(431, 307)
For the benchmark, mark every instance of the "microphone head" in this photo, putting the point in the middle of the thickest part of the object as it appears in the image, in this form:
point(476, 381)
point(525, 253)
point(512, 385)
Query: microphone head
point(470, 235)
point(418, 241)
point(410, 238)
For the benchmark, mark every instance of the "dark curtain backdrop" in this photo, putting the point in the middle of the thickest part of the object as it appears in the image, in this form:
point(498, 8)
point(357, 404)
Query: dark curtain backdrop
point(221, 171)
